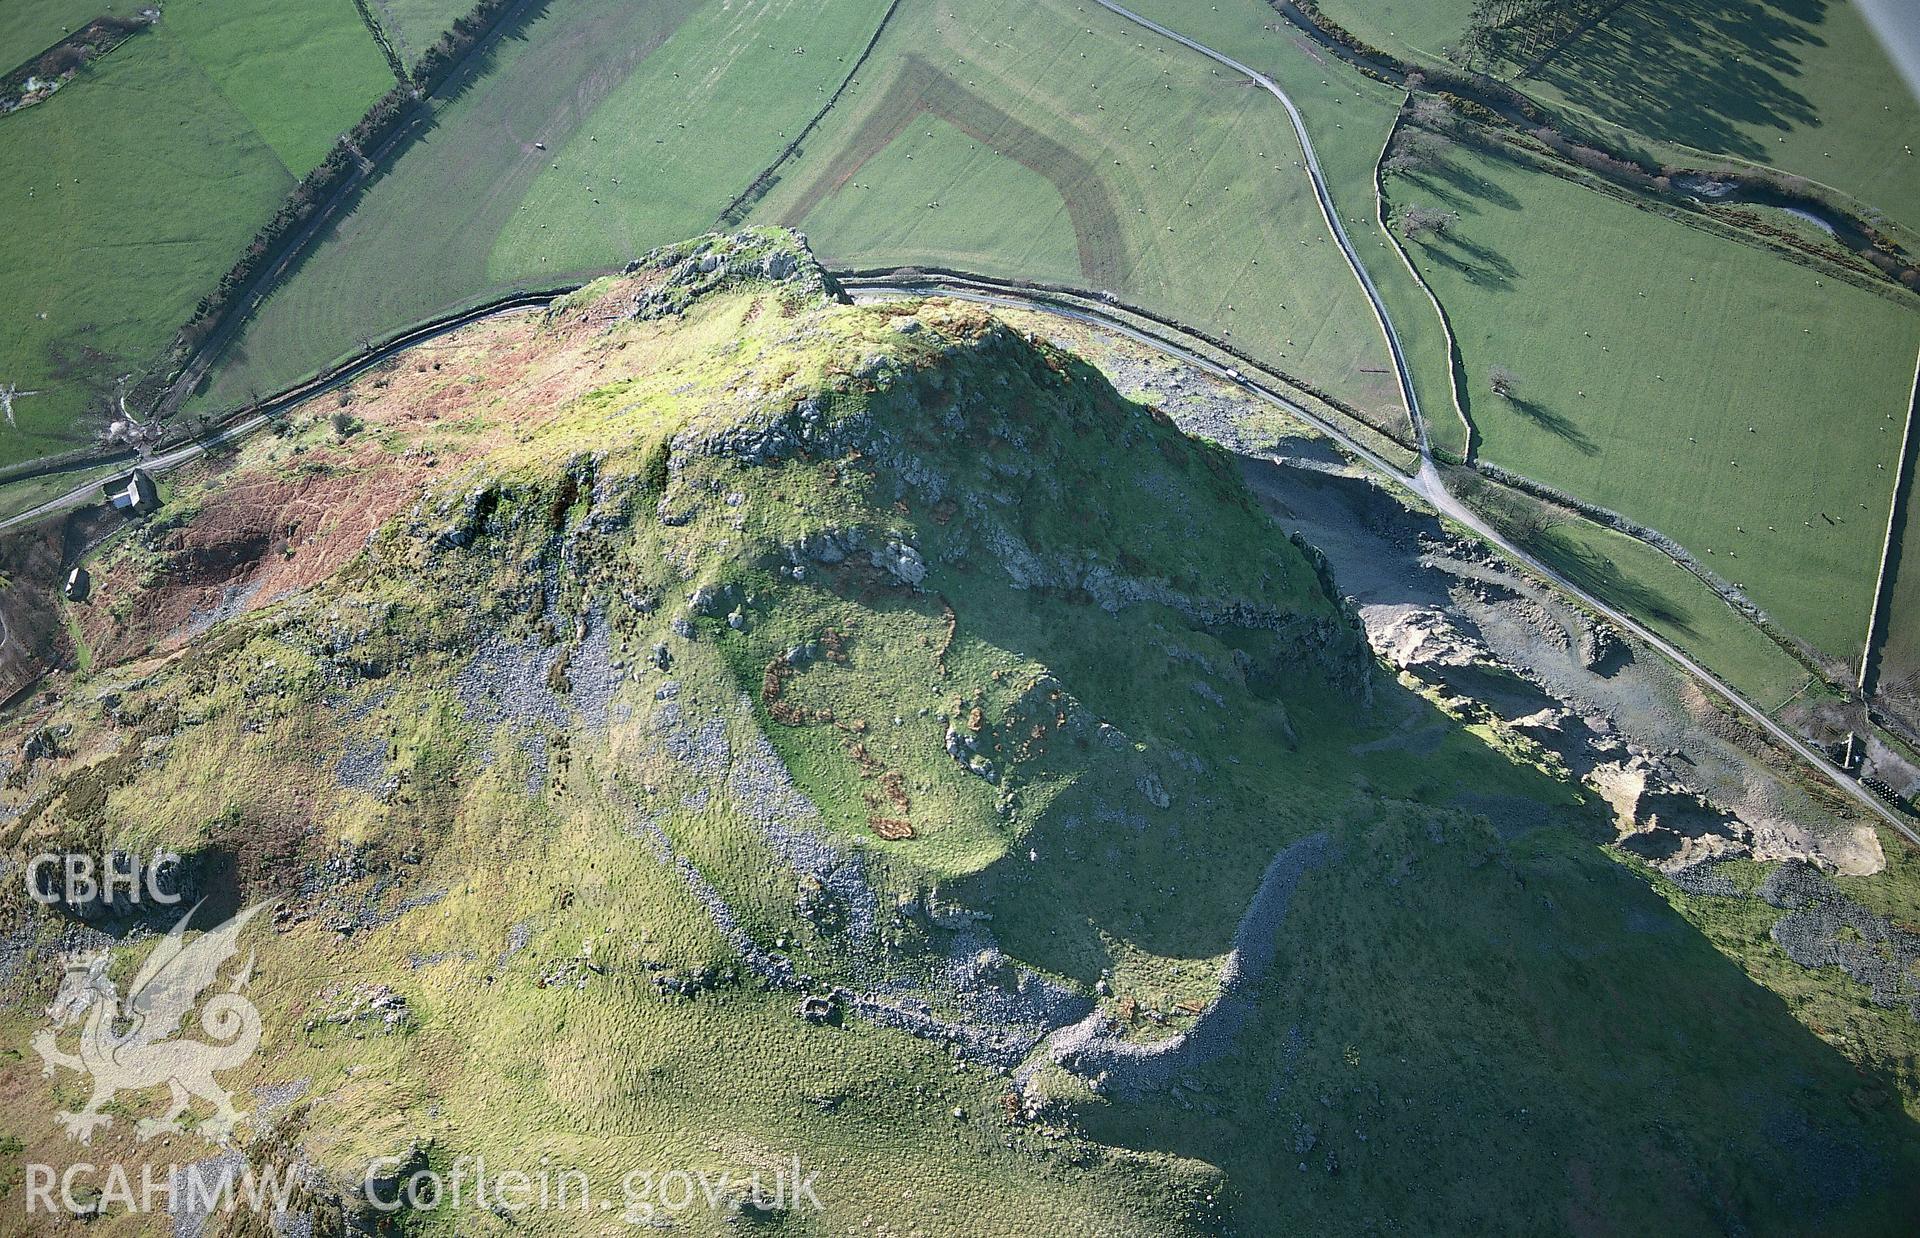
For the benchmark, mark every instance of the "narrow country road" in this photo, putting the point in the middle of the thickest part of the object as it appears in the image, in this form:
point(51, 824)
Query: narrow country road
point(88, 491)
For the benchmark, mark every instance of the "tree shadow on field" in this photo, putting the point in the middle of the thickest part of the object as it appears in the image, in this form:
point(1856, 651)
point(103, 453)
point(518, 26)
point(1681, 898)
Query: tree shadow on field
point(1555, 423)
point(1459, 186)
point(1477, 264)
point(1441, 186)
point(482, 60)
point(1704, 73)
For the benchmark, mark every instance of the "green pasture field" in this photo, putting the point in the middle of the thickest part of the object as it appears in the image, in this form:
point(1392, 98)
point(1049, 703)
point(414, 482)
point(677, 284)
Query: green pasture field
point(683, 101)
point(986, 204)
point(1744, 405)
point(29, 27)
point(126, 195)
point(416, 25)
point(1410, 29)
point(1180, 182)
point(712, 107)
point(1349, 116)
point(1676, 604)
point(133, 189)
point(1805, 88)
point(302, 71)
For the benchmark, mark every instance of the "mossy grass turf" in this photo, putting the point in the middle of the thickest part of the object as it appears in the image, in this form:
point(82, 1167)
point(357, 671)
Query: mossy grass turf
point(721, 644)
point(1748, 407)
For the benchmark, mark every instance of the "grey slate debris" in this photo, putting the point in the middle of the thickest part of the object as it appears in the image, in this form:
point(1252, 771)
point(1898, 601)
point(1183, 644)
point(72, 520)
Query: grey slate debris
point(1825, 928)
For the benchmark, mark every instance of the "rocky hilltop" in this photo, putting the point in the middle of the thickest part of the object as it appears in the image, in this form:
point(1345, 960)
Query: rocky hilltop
point(708, 723)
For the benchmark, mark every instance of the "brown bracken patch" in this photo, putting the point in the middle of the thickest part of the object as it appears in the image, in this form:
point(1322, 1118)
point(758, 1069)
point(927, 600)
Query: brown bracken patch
point(893, 829)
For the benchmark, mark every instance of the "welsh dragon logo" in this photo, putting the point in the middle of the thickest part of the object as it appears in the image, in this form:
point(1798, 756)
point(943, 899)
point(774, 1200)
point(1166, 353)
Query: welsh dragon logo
point(131, 1049)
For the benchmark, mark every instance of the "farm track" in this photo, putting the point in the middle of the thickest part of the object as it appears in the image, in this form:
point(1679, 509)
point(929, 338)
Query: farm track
point(1522, 111)
point(1455, 366)
point(1324, 196)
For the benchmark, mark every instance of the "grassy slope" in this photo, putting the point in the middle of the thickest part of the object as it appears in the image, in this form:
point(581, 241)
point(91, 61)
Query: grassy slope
point(611, 1079)
point(171, 181)
point(1801, 87)
point(302, 71)
point(28, 27)
point(1196, 168)
point(1453, 991)
point(423, 238)
point(734, 1076)
point(1678, 333)
point(1585, 1079)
